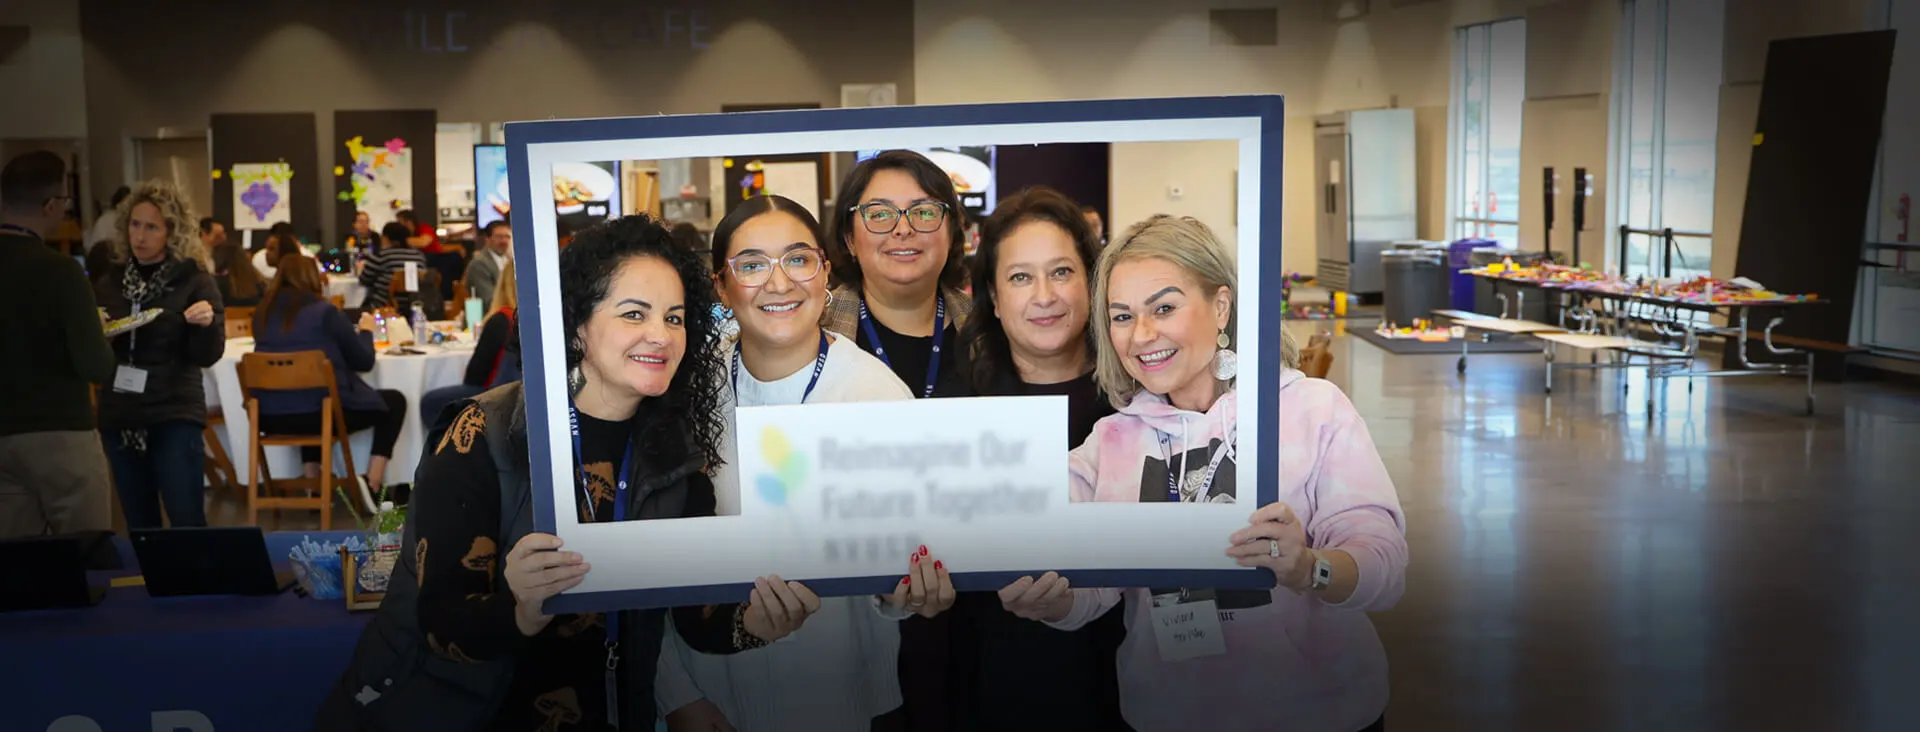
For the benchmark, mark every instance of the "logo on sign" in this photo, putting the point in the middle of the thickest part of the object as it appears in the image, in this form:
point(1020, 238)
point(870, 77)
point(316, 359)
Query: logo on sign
point(789, 468)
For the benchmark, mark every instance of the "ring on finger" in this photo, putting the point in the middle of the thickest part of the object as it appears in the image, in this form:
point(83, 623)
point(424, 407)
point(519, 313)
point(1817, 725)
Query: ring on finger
point(1273, 547)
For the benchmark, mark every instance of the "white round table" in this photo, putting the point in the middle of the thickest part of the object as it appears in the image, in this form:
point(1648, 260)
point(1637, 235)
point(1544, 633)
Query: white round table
point(413, 376)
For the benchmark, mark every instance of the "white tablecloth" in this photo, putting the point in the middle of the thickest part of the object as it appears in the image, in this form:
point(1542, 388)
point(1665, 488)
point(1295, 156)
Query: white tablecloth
point(410, 375)
point(347, 287)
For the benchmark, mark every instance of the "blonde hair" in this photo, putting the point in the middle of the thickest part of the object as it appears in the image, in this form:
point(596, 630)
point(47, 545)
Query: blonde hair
point(183, 227)
point(505, 294)
point(1185, 243)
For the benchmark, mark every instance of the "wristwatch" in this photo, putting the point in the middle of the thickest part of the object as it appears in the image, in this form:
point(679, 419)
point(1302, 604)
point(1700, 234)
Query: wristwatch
point(1322, 572)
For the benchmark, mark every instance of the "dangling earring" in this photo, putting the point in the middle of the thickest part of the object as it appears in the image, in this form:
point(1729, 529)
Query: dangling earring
point(829, 299)
point(576, 380)
point(1225, 362)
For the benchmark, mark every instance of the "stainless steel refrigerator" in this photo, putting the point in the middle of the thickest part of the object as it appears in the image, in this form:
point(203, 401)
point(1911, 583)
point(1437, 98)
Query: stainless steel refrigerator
point(1364, 168)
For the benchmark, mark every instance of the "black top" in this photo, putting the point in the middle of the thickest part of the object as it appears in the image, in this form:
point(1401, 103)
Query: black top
point(908, 356)
point(52, 337)
point(1011, 673)
point(172, 351)
point(467, 611)
point(489, 349)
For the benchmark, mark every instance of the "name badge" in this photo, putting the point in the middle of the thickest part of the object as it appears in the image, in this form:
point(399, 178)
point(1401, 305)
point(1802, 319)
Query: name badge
point(130, 380)
point(1187, 630)
point(413, 276)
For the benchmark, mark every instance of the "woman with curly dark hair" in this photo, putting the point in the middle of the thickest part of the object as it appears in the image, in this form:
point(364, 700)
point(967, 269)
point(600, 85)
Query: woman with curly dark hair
point(643, 387)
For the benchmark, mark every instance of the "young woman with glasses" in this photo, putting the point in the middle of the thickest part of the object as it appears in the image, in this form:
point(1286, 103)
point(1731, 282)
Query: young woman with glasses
point(838, 671)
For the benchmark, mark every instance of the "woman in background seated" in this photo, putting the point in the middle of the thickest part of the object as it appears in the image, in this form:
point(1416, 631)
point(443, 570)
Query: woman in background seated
point(296, 316)
point(496, 353)
point(1302, 655)
point(240, 283)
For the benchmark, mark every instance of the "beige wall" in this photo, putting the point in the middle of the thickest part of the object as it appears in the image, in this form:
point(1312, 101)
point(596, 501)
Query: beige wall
point(42, 82)
point(521, 61)
point(1003, 50)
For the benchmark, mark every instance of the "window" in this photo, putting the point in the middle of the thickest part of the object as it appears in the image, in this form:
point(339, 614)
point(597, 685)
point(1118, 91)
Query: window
point(1489, 89)
point(1666, 121)
point(1890, 290)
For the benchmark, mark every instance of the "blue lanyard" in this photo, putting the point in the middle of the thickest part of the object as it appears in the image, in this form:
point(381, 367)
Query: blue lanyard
point(939, 334)
point(819, 364)
point(619, 513)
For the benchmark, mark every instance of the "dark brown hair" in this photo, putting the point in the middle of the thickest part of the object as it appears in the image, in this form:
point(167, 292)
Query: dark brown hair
point(747, 211)
point(231, 262)
point(295, 284)
point(930, 178)
point(983, 337)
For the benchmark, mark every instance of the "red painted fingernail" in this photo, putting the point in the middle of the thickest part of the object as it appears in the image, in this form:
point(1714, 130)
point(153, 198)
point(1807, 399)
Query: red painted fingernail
point(906, 580)
point(937, 564)
point(913, 559)
point(923, 550)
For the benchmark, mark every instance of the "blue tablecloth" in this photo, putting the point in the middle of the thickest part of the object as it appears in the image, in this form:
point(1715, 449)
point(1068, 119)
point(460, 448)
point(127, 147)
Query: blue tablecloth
point(136, 662)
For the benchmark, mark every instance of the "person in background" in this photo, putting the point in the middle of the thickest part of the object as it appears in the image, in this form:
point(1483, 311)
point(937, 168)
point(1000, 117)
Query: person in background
point(689, 238)
point(770, 270)
point(100, 237)
point(496, 353)
point(388, 262)
point(1093, 222)
point(1027, 336)
point(361, 239)
point(240, 284)
point(267, 260)
point(449, 259)
point(296, 316)
point(151, 419)
point(1302, 655)
point(897, 246)
point(496, 253)
point(212, 233)
point(53, 473)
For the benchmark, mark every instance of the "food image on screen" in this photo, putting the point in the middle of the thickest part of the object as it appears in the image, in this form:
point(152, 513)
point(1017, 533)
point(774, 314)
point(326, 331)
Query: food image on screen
point(570, 192)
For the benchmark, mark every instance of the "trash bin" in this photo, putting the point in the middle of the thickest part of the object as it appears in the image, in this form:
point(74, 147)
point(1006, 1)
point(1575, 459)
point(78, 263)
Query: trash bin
point(1416, 284)
point(1460, 257)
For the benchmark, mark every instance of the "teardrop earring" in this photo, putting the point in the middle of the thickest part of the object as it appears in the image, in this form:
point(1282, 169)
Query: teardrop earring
point(575, 382)
point(1226, 363)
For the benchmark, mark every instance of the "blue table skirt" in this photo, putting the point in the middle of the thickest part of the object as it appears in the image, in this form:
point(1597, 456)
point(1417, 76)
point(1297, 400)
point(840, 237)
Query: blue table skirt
point(213, 663)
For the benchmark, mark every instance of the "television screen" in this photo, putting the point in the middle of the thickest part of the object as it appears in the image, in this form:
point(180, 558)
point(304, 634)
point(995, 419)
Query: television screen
point(585, 194)
point(971, 168)
point(490, 184)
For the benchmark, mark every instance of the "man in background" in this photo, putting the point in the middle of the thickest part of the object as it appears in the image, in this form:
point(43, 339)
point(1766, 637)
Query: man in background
point(53, 472)
point(212, 233)
point(483, 273)
point(1093, 220)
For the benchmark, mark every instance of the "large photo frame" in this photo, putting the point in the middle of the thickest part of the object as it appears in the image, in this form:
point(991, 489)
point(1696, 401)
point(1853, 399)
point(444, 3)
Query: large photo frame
point(694, 561)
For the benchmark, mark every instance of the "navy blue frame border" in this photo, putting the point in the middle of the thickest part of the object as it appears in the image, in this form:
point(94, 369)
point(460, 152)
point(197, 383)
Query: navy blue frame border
point(1271, 111)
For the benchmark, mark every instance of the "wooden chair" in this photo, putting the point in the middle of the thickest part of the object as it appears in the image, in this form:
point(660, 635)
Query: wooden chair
point(429, 281)
point(239, 322)
point(1317, 358)
point(339, 301)
point(283, 371)
point(458, 304)
point(218, 467)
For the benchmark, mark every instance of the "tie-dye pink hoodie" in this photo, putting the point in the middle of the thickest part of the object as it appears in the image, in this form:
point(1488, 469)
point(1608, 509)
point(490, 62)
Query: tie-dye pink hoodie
point(1293, 662)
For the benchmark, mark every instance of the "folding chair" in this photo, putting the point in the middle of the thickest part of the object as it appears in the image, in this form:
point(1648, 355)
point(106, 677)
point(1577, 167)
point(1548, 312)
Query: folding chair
point(290, 371)
point(239, 322)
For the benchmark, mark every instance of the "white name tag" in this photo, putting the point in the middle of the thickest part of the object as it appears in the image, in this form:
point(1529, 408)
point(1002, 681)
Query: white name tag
point(130, 380)
point(413, 276)
point(1190, 630)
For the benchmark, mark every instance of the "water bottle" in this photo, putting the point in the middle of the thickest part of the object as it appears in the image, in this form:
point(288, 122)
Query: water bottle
point(380, 338)
point(419, 324)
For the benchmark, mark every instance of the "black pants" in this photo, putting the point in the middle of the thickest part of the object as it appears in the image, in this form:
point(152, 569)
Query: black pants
point(385, 423)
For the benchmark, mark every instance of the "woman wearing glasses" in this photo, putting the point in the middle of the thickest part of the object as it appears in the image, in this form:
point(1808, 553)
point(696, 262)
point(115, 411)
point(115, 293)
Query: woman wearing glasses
point(898, 269)
point(838, 671)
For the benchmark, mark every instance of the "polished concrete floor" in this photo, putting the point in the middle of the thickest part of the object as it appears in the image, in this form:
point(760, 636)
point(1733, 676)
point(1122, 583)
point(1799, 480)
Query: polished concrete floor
point(1725, 563)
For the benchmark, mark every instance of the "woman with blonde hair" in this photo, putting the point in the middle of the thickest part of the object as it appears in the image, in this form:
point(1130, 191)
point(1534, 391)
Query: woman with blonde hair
point(1302, 655)
point(496, 352)
point(151, 420)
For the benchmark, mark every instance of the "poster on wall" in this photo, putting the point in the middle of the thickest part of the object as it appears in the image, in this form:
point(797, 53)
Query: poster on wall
point(262, 195)
point(971, 169)
point(585, 194)
point(382, 179)
point(490, 184)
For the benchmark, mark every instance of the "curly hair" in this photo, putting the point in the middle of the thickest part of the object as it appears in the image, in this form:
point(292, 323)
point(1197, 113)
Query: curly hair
point(690, 408)
point(183, 227)
point(984, 338)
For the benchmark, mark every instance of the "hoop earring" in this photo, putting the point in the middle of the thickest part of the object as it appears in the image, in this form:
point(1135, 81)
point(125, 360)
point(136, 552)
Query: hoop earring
point(1226, 363)
point(829, 299)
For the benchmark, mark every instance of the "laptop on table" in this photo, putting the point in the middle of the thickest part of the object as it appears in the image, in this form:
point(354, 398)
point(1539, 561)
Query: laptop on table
point(46, 573)
point(217, 560)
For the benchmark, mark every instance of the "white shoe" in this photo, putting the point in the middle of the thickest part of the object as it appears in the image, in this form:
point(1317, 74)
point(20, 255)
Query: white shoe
point(366, 495)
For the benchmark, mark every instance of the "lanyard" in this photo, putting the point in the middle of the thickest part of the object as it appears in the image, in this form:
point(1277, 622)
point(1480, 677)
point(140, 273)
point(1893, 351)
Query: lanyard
point(819, 364)
point(619, 513)
point(939, 334)
point(1206, 481)
point(22, 230)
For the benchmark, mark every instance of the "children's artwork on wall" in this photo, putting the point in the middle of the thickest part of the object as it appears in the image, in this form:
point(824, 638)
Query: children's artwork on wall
point(381, 179)
point(262, 195)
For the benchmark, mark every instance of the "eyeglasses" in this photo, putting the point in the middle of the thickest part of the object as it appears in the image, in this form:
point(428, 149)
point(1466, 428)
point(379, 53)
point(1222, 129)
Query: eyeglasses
point(882, 218)
point(756, 269)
